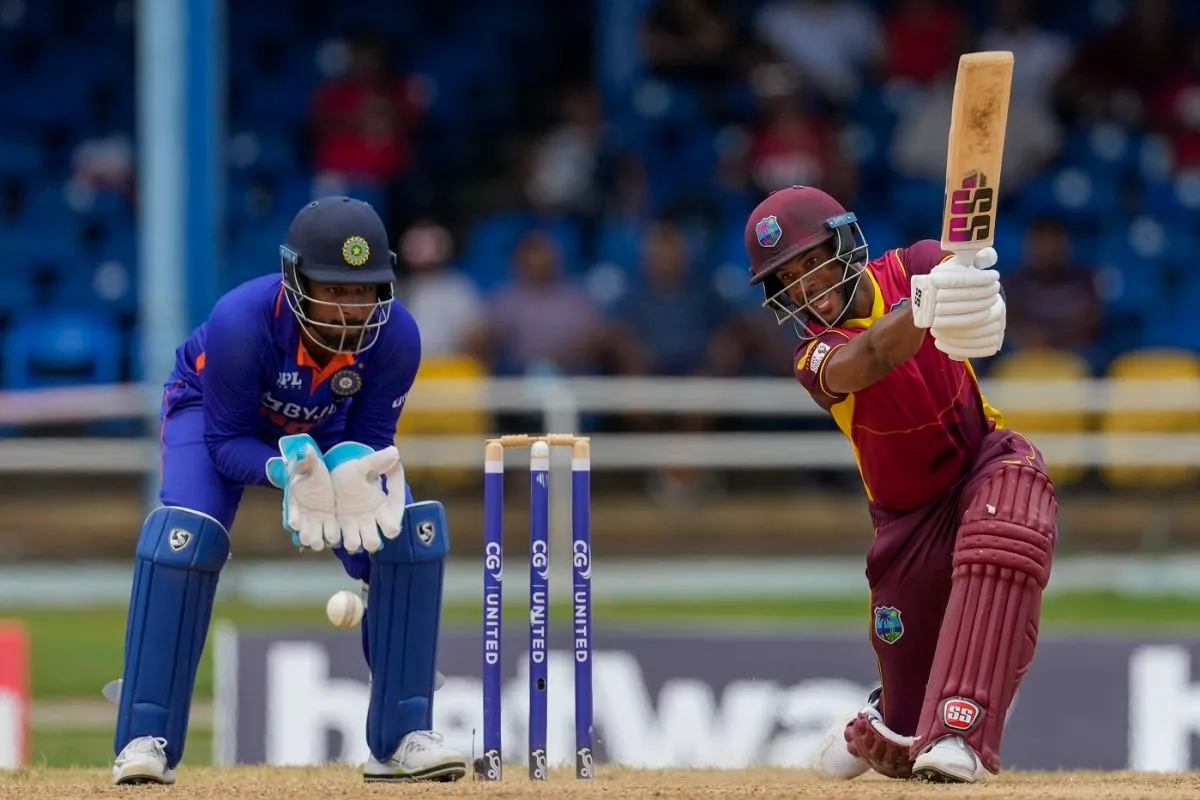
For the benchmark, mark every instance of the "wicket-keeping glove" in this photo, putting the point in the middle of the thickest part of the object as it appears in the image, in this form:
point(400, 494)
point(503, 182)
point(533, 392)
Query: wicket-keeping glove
point(363, 509)
point(308, 500)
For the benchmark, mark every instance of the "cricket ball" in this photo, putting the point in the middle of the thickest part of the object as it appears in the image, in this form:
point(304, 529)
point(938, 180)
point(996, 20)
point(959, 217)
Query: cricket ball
point(344, 609)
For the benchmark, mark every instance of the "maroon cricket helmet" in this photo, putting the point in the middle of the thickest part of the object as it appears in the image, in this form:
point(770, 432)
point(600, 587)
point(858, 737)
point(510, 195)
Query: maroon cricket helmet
point(787, 223)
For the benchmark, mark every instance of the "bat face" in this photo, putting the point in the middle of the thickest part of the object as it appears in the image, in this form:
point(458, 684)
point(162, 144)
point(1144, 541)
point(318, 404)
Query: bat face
point(978, 119)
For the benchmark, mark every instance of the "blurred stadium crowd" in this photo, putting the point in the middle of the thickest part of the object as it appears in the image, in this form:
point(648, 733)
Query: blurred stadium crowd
point(567, 182)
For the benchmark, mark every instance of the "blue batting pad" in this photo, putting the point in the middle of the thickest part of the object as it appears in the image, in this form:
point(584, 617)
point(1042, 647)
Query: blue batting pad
point(179, 558)
point(403, 614)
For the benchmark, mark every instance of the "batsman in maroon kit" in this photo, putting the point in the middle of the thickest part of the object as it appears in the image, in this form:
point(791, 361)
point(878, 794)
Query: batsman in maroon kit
point(965, 516)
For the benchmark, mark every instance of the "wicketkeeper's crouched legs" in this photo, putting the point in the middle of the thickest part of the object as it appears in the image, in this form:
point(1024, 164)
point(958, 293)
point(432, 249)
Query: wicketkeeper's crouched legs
point(179, 558)
point(1002, 563)
point(402, 621)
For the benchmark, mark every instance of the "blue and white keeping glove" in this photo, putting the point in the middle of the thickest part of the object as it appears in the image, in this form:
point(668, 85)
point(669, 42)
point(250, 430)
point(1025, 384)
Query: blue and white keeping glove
point(308, 498)
point(960, 303)
point(364, 511)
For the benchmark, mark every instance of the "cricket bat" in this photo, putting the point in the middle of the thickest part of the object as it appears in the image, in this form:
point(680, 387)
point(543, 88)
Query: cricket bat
point(978, 118)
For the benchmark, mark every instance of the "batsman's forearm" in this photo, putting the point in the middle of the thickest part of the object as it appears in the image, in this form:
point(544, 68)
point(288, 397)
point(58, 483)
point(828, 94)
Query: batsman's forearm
point(894, 339)
point(868, 358)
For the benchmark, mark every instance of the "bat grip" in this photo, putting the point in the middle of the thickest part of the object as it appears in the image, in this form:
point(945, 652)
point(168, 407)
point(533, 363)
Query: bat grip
point(966, 256)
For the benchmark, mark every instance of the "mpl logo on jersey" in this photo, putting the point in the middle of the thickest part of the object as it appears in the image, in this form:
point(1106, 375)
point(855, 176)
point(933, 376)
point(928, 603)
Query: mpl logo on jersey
point(14, 695)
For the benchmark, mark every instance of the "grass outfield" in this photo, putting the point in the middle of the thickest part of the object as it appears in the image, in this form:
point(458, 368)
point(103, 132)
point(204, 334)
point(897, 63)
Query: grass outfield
point(77, 651)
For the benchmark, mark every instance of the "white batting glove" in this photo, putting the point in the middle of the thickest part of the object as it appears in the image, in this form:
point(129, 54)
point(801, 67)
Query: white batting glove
point(956, 294)
point(364, 511)
point(308, 499)
point(983, 339)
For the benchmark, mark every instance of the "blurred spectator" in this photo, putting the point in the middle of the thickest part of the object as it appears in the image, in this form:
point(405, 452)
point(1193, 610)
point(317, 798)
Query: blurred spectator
point(540, 321)
point(733, 191)
point(446, 304)
point(627, 193)
point(673, 320)
point(1052, 300)
point(563, 164)
point(363, 122)
point(104, 163)
point(1039, 55)
point(794, 146)
point(831, 42)
point(924, 39)
point(1176, 108)
point(1115, 71)
point(1031, 141)
point(689, 39)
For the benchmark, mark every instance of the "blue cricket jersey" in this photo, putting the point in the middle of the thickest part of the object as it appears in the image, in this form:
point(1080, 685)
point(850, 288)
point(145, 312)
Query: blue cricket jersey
point(248, 368)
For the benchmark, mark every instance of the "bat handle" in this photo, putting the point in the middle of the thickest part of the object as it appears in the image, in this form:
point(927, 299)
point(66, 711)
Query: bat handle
point(966, 257)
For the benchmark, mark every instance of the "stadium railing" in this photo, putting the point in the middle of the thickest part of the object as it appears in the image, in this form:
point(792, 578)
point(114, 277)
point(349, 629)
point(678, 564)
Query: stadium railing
point(562, 404)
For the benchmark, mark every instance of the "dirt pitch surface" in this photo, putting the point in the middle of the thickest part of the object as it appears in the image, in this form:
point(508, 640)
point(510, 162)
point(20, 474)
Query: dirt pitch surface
point(325, 783)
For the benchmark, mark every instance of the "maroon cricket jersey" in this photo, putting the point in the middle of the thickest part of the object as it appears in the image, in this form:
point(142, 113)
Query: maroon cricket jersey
point(918, 430)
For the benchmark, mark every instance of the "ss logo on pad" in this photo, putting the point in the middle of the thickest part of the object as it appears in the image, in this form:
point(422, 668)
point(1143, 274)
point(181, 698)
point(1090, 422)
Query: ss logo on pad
point(425, 532)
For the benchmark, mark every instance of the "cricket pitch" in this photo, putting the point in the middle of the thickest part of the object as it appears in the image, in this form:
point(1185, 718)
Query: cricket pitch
point(324, 783)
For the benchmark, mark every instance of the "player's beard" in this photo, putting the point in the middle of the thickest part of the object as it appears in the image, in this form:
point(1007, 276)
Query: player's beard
point(342, 337)
point(334, 336)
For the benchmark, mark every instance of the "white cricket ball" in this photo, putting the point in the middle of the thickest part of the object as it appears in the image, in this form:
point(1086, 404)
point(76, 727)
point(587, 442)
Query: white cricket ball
point(344, 609)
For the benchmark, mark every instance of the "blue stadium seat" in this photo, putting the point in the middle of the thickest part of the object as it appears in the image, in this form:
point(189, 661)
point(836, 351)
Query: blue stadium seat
point(619, 242)
point(1074, 194)
point(916, 206)
point(1010, 242)
point(46, 208)
point(27, 248)
point(20, 157)
point(490, 244)
point(466, 80)
point(1103, 147)
point(1132, 262)
point(61, 348)
point(1175, 200)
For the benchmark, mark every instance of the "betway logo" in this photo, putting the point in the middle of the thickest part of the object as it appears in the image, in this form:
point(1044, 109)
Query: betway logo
point(688, 724)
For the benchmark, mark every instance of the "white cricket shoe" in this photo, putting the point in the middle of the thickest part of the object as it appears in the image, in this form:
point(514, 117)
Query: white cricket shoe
point(948, 760)
point(421, 756)
point(143, 761)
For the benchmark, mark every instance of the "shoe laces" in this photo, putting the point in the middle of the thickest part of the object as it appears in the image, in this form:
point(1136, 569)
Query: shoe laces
point(421, 740)
point(148, 745)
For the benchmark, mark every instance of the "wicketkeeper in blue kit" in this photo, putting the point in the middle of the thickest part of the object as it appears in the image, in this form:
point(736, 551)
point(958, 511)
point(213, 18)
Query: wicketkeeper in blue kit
point(296, 383)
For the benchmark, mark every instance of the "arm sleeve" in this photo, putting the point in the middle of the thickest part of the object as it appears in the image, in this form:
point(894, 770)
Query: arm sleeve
point(376, 409)
point(922, 256)
point(232, 396)
point(809, 366)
